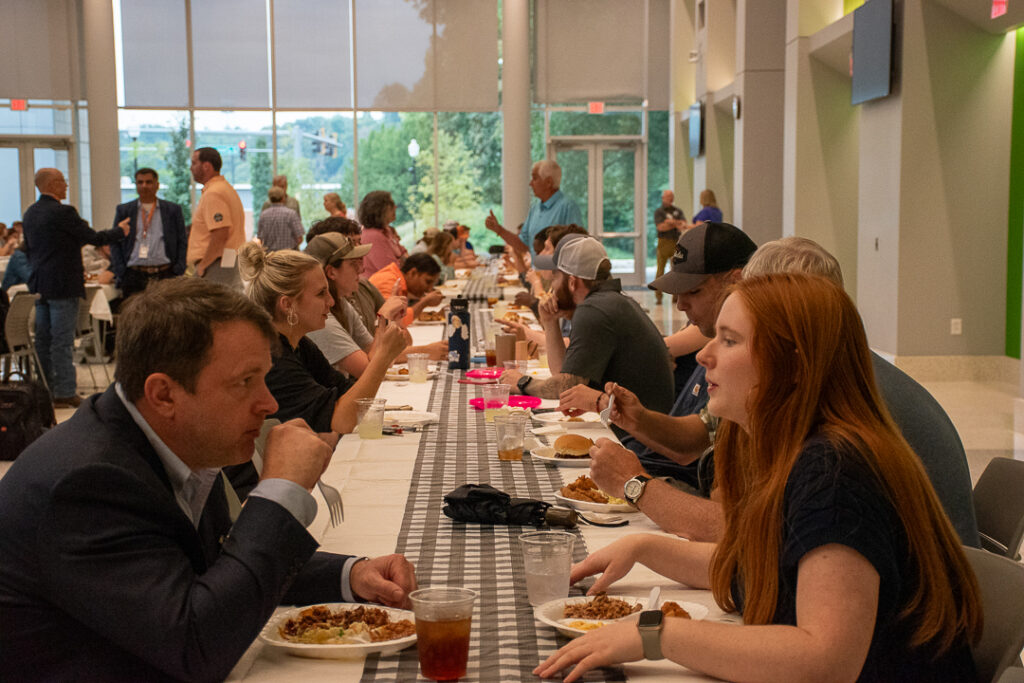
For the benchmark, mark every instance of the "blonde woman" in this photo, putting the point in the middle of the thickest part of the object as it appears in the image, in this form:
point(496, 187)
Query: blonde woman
point(292, 288)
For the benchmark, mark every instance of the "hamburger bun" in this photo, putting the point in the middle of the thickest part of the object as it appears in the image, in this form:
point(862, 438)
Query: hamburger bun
point(572, 446)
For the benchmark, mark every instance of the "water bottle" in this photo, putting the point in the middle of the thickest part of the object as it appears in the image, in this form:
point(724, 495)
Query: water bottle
point(458, 335)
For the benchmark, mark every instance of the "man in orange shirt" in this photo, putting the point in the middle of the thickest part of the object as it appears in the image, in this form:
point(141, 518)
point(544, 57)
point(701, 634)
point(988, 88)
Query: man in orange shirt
point(415, 279)
point(218, 224)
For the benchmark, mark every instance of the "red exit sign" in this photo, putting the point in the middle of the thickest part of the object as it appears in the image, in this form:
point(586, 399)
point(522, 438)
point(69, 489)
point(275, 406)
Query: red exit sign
point(998, 8)
point(19, 105)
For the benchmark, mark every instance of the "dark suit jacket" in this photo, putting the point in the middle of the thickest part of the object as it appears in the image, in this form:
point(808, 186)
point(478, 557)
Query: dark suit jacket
point(55, 235)
point(104, 578)
point(175, 238)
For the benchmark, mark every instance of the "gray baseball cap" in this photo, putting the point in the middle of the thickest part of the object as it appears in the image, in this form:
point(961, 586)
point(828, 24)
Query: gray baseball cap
point(702, 251)
point(332, 246)
point(579, 255)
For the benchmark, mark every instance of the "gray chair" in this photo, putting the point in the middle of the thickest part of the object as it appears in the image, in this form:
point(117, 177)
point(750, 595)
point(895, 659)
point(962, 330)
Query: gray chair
point(21, 353)
point(999, 506)
point(1002, 598)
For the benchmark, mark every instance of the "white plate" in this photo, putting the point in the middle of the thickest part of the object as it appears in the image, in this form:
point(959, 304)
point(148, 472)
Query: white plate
point(551, 613)
point(408, 417)
point(270, 636)
point(590, 420)
point(587, 506)
point(546, 454)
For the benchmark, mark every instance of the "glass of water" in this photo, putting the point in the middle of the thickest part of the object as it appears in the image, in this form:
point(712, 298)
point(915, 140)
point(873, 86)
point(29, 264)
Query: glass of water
point(547, 558)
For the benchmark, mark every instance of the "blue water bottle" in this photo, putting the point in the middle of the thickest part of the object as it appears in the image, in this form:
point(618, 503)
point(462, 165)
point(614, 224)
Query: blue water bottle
point(458, 335)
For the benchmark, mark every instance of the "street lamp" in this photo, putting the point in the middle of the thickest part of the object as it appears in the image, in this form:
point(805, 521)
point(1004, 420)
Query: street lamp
point(414, 150)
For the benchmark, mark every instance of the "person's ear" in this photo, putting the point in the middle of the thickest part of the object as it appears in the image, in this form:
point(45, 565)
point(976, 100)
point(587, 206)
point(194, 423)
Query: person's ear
point(159, 392)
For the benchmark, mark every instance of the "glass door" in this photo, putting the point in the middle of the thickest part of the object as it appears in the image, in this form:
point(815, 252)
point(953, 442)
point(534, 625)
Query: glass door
point(604, 178)
point(19, 161)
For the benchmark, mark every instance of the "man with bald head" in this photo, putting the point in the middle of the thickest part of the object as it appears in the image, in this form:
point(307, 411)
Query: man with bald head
point(289, 201)
point(54, 237)
point(669, 222)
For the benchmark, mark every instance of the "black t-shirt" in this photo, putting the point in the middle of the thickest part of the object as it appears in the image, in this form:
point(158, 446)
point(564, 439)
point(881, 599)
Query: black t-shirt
point(613, 340)
point(832, 497)
point(305, 385)
point(663, 212)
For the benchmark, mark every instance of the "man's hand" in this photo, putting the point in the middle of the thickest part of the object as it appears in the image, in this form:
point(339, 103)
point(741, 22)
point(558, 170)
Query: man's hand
point(394, 308)
point(432, 298)
point(511, 377)
point(387, 579)
point(491, 222)
point(294, 452)
point(437, 350)
point(612, 465)
point(548, 312)
point(627, 411)
point(126, 225)
point(579, 399)
point(515, 328)
point(524, 299)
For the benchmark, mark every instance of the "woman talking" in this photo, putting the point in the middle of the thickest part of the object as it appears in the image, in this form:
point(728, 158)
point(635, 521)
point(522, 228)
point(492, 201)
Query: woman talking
point(836, 550)
point(292, 288)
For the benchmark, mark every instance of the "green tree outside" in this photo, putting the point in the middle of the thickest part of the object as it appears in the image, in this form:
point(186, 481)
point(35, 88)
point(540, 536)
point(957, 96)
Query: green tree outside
point(178, 186)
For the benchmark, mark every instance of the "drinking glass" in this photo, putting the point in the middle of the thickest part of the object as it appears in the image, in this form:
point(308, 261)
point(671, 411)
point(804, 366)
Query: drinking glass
point(495, 397)
point(444, 617)
point(509, 432)
point(370, 417)
point(547, 558)
point(418, 367)
point(520, 366)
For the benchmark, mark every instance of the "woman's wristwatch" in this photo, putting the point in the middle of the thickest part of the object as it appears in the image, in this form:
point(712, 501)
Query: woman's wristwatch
point(649, 625)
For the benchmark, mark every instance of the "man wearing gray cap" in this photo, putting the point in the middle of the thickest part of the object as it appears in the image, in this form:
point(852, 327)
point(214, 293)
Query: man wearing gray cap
point(612, 339)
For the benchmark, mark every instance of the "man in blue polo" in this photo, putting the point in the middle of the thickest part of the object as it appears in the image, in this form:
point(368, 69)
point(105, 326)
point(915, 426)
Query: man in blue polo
point(554, 208)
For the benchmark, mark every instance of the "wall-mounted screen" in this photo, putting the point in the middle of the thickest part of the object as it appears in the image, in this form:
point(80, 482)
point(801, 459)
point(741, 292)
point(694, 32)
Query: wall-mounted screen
point(696, 129)
point(872, 51)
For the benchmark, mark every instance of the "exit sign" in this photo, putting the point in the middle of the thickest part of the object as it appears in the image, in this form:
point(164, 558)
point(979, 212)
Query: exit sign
point(998, 8)
point(595, 107)
point(19, 105)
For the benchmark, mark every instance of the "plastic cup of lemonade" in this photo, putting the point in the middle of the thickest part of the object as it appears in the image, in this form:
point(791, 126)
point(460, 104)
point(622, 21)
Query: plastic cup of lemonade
point(418, 367)
point(495, 398)
point(370, 418)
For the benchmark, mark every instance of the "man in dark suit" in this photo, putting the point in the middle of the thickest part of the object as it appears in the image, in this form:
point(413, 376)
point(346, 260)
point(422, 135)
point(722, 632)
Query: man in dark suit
point(156, 243)
point(118, 556)
point(54, 236)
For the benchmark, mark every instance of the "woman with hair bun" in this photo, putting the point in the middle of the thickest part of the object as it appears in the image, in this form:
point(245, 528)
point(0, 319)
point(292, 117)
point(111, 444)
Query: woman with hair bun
point(836, 550)
point(292, 288)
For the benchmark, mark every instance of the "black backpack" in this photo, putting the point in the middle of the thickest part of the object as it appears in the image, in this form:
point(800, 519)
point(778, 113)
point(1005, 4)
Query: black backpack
point(25, 413)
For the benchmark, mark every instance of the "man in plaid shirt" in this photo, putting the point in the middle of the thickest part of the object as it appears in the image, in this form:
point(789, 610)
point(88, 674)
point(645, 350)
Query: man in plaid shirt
point(279, 226)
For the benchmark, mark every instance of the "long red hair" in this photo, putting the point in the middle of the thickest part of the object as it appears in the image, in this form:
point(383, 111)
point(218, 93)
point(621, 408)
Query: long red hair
point(815, 377)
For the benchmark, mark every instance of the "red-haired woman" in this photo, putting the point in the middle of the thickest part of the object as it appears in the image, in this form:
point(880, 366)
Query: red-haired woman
point(836, 549)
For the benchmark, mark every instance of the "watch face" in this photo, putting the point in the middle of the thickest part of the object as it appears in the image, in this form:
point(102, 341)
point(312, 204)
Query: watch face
point(633, 489)
point(651, 617)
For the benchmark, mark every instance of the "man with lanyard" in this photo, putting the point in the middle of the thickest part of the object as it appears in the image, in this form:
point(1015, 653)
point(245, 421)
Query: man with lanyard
point(554, 208)
point(218, 227)
point(156, 243)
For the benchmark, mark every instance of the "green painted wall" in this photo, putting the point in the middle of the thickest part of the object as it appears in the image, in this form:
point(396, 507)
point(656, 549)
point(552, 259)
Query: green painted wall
point(1015, 215)
point(850, 5)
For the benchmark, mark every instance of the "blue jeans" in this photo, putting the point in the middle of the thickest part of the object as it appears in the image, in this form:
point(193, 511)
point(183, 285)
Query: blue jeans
point(55, 344)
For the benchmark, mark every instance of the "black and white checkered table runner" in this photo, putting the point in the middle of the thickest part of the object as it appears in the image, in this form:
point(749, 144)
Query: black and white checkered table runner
point(506, 642)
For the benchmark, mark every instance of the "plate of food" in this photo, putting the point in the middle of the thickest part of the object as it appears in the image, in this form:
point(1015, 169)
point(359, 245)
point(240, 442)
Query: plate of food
point(340, 630)
point(577, 615)
point(428, 316)
point(547, 455)
point(522, 317)
point(583, 494)
point(400, 372)
point(587, 420)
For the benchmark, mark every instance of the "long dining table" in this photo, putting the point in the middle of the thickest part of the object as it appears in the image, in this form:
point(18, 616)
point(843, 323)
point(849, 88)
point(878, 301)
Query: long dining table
point(393, 489)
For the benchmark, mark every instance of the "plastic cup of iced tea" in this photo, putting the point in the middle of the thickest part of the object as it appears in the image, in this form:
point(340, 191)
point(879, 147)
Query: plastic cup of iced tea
point(443, 619)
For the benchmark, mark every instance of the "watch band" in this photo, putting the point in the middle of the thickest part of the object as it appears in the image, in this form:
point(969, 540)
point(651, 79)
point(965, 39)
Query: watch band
point(650, 635)
point(523, 383)
point(639, 481)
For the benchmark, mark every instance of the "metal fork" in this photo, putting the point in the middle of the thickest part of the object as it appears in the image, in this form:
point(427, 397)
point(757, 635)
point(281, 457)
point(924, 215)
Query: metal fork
point(334, 504)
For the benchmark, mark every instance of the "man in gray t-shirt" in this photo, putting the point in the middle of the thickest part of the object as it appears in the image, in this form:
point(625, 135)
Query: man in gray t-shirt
point(612, 339)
